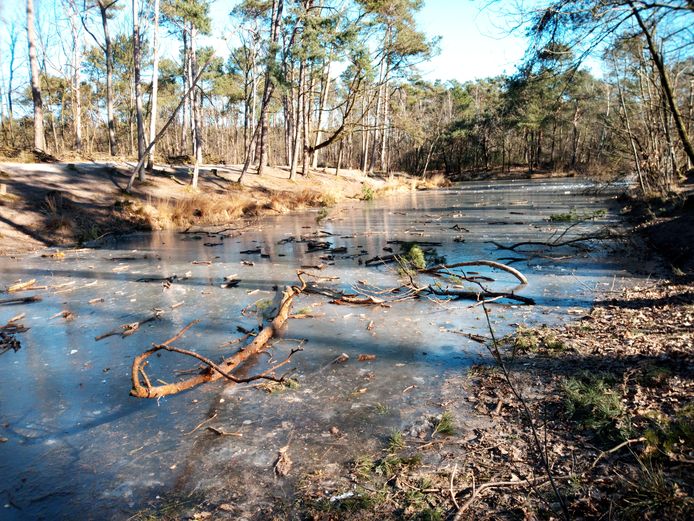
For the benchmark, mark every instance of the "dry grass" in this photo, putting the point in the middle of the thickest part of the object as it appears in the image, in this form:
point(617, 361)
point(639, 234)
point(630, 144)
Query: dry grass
point(434, 181)
point(217, 209)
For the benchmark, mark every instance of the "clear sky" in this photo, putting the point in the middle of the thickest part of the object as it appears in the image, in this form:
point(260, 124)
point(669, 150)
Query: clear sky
point(475, 41)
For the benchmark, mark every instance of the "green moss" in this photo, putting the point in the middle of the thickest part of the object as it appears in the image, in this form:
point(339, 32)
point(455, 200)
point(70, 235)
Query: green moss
point(415, 256)
point(322, 214)
point(573, 216)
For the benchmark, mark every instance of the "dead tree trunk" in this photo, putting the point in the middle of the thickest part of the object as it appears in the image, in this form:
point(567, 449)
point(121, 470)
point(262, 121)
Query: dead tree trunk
point(138, 86)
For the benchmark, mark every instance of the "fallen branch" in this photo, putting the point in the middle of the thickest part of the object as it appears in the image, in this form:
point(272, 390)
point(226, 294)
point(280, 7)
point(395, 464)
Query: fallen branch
point(492, 264)
point(20, 286)
point(497, 484)
point(128, 329)
point(19, 300)
point(223, 370)
point(574, 243)
point(480, 295)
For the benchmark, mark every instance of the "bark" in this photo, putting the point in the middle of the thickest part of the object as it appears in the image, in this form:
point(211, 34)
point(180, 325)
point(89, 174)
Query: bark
point(155, 85)
point(138, 86)
point(108, 54)
point(39, 139)
point(665, 82)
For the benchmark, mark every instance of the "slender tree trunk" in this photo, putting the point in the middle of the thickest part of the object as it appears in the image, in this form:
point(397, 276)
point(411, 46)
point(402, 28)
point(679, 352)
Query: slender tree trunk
point(321, 109)
point(296, 144)
point(306, 120)
point(155, 85)
point(108, 54)
point(138, 86)
point(277, 8)
point(339, 158)
point(76, 79)
point(39, 138)
point(637, 163)
point(14, 34)
point(665, 82)
point(197, 99)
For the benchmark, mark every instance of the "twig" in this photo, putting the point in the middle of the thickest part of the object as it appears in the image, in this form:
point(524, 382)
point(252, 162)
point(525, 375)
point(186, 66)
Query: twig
point(615, 449)
point(494, 350)
point(455, 501)
point(201, 424)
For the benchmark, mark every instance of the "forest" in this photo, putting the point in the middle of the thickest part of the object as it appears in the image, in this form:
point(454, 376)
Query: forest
point(334, 84)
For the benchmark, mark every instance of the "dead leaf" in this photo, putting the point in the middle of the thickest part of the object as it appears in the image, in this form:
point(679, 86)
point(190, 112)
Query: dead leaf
point(283, 464)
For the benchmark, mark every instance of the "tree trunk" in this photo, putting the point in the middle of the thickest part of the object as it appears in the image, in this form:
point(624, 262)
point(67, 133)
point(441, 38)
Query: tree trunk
point(138, 86)
point(39, 138)
point(321, 109)
point(297, 124)
point(277, 7)
point(155, 85)
point(196, 100)
point(108, 54)
point(665, 82)
point(76, 79)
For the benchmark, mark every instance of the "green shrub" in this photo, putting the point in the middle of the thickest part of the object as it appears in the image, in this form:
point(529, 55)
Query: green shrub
point(590, 400)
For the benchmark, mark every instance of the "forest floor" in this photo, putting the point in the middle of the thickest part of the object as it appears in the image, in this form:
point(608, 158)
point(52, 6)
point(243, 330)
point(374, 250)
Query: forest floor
point(49, 204)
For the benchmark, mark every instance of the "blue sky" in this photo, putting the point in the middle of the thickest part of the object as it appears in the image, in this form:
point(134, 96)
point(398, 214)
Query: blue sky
point(475, 41)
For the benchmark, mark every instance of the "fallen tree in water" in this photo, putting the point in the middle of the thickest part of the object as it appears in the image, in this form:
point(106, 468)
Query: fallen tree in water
point(363, 295)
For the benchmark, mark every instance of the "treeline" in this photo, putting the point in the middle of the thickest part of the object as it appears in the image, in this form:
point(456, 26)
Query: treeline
point(333, 83)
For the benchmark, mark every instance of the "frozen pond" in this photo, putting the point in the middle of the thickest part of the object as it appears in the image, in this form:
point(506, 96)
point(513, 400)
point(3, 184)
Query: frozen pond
point(77, 445)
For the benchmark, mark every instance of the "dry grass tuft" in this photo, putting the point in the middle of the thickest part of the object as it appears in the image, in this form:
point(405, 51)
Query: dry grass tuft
point(434, 181)
point(209, 209)
point(216, 209)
